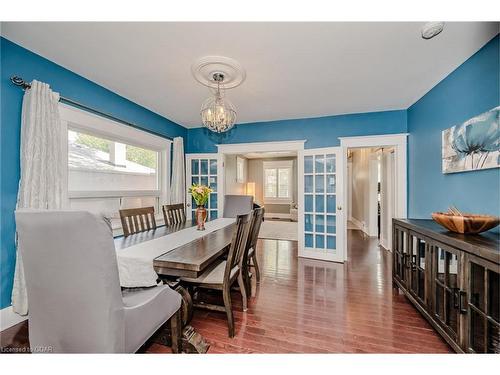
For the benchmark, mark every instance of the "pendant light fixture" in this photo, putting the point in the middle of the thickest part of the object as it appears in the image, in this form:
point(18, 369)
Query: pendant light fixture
point(218, 113)
point(218, 73)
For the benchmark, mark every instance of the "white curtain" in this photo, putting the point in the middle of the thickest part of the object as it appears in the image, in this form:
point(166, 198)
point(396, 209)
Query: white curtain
point(177, 186)
point(41, 183)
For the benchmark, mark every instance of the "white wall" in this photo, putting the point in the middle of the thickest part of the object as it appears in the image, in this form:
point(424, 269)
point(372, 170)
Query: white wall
point(231, 185)
point(364, 190)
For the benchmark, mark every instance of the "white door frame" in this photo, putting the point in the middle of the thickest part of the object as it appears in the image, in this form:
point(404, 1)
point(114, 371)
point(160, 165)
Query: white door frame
point(399, 142)
point(242, 148)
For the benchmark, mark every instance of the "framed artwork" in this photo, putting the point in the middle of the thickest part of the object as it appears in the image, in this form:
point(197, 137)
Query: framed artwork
point(473, 145)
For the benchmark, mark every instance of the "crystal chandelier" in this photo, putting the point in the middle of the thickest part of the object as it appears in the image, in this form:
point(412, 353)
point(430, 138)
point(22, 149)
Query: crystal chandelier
point(217, 113)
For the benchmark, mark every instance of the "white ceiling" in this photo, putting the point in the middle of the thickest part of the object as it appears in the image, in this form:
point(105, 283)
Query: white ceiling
point(294, 70)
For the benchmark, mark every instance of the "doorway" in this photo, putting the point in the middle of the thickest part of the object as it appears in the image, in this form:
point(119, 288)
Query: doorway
point(271, 178)
point(385, 174)
point(370, 191)
point(319, 193)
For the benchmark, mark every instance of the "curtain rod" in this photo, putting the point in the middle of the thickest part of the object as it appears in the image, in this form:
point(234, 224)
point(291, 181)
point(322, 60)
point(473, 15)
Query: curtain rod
point(18, 81)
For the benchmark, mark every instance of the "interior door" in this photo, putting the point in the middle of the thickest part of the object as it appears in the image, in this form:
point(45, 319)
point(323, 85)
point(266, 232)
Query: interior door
point(204, 169)
point(321, 232)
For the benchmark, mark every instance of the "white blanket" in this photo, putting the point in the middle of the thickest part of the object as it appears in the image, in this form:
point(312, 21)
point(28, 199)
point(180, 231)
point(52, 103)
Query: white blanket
point(135, 263)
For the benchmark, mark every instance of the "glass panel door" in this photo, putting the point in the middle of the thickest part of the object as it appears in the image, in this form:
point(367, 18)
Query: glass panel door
point(483, 309)
point(446, 304)
point(400, 244)
point(202, 169)
point(417, 267)
point(321, 205)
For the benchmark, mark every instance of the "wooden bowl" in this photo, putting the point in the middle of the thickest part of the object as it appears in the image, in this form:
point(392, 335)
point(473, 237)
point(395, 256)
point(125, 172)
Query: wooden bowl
point(467, 223)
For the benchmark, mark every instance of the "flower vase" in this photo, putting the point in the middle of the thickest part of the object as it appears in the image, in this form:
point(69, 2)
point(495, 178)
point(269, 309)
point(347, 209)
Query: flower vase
point(201, 217)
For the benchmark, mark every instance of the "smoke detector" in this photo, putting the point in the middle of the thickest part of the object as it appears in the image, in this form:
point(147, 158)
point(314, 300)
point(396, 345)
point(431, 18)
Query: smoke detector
point(431, 29)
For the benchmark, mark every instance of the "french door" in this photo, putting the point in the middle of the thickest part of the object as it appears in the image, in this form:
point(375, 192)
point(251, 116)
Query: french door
point(204, 169)
point(321, 225)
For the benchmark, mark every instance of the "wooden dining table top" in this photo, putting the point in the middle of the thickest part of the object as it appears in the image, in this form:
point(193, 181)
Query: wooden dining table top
point(188, 260)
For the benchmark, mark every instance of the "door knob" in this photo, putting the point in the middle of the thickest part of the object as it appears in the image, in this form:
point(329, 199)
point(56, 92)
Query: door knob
point(339, 208)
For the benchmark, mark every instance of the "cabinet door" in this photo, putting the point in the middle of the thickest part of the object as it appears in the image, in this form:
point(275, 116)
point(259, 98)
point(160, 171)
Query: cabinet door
point(446, 288)
point(417, 265)
point(483, 306)
point(400, 253)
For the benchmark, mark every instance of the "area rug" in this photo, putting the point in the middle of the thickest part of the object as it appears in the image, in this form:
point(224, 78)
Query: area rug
point(279, 230)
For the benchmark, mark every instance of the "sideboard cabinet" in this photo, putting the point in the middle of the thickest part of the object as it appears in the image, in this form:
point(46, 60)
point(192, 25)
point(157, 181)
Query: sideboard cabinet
point(453, 280)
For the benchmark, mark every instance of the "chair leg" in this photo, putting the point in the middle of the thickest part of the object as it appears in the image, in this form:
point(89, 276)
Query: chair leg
point(248, 282)
point(226, 295)
point(176, 330)
point(256, 265)
point(243, 290)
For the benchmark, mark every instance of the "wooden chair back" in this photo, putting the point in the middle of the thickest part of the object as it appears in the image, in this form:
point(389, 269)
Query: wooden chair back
point(174, 214)
point(238, 243)
point(135, 220)
point(258, 216)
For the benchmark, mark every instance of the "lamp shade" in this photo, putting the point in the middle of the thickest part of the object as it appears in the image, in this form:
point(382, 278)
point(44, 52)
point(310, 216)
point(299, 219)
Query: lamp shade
point(251, 189)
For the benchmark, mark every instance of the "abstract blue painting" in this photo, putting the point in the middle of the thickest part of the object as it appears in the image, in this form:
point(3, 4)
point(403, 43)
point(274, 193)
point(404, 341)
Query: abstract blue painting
point(473, 145)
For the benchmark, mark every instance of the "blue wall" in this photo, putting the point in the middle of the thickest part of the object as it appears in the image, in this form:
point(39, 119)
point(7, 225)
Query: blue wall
point(15, 60)
point(470, 90)
point(319, 132)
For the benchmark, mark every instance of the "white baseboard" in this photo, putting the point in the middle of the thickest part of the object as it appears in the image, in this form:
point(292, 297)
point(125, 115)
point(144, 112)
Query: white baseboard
point(364, 228)
point(277, 216)
point(383, 243)
point(358, 224)
point(9, 318)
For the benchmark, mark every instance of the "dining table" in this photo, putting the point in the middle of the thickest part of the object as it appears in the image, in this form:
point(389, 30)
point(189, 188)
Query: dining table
point(175, 259)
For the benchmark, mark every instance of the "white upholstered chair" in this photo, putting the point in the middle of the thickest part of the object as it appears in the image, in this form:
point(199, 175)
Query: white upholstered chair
point(75, 300)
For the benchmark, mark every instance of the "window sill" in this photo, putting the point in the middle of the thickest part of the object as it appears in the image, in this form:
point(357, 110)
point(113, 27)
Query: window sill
point(277, 201)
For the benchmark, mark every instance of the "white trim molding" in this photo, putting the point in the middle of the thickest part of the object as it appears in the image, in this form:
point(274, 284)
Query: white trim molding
point(241, 148)
point(399, 142)
point(364, 227)
point(374, 140)
point(8, 318)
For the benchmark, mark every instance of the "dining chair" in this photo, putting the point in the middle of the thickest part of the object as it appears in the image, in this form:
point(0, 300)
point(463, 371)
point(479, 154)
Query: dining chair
point(235, 205)
point(76, 304)
point(135, 220)
point(174, 214)
point(222, 275)
point(251, 253)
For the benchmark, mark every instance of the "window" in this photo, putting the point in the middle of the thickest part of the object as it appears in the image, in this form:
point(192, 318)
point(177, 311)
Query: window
point(112, 166)
point(278, 179)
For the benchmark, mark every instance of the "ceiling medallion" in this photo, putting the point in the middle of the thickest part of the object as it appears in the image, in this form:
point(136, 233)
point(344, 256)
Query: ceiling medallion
point(218, 73)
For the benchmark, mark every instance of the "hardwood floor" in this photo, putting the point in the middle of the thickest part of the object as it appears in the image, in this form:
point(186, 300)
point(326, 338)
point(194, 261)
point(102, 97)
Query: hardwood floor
point(308, 306)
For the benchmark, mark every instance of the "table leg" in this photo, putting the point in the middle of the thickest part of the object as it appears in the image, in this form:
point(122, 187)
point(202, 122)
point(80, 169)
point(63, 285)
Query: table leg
point(192, 341)
point(187, 304)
